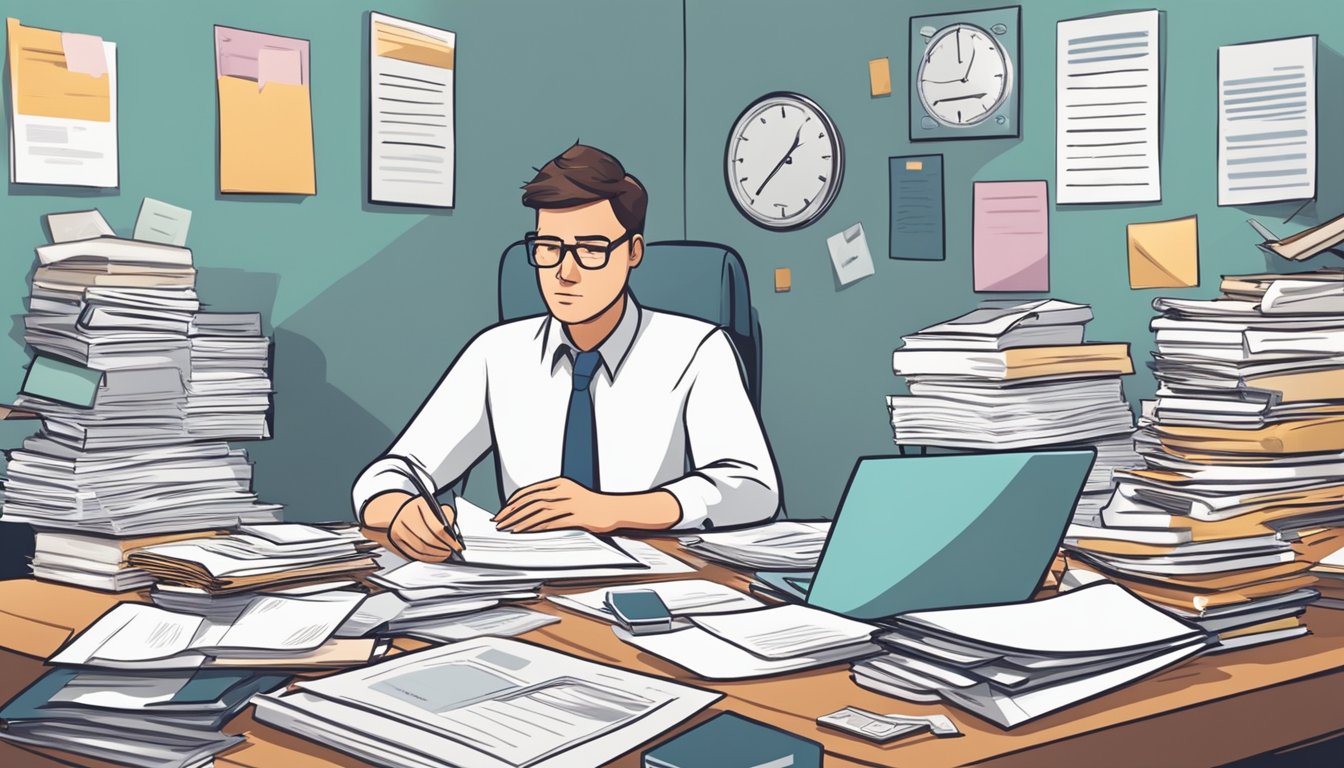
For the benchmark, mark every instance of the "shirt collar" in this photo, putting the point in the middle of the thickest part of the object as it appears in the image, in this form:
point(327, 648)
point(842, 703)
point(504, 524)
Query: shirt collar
point(613, 349)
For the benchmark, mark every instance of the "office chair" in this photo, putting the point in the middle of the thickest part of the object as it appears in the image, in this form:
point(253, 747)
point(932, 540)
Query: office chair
point(707, 281)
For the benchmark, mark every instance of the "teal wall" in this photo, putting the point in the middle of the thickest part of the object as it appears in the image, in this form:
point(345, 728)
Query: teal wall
point(368, 303)
point(828, 349)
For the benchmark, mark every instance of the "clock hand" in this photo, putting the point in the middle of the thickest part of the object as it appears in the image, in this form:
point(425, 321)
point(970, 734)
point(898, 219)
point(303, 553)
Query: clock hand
point(969, 64)
point(783, 161)
point(957, 98)
point(959, 46)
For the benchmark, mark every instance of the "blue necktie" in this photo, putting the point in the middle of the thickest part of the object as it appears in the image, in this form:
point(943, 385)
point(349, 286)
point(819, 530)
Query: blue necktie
point(579, 462)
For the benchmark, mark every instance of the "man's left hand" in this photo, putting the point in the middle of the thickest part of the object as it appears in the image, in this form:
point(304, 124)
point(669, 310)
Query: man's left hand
point(562, 503)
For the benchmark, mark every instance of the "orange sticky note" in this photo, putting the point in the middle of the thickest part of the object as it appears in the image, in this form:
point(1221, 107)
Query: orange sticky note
point(783, 280)
point(1164, 254)
point(879, 76)
point(914, 165)
point(44, 83)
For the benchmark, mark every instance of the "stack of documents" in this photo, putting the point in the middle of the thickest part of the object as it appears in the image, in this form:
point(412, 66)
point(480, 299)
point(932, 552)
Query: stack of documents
point(738, 645)
point(489, 702)
point(1015, 662)
point(229, 388)
point(259, 557)
point(97, 562)
point(1244, 452)
point(169, 719)
point(134, 415)
point(788, 545)
point(1014, 375)
point(1331, 580)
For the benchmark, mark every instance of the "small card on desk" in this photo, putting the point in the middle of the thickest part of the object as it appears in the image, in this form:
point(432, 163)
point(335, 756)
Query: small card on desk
point(729, 740)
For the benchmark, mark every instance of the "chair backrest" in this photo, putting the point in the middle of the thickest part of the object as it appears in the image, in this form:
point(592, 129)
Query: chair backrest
point(698, 279)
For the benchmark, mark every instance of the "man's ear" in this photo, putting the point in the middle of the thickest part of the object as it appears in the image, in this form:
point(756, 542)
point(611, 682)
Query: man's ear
point(636, 250)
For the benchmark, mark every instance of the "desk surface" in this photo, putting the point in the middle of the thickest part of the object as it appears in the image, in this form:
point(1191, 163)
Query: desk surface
point(1205, 712)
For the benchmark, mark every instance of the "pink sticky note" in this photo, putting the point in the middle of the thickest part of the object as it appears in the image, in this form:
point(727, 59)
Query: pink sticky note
point(84, 54)
point(279, 65)
point(1011, 231)
point(238, 54)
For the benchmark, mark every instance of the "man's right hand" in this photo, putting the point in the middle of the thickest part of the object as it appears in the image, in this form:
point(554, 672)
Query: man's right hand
point(413, 529)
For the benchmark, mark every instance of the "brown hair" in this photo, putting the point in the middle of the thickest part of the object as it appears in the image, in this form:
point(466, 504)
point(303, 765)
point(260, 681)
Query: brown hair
point(583, 174)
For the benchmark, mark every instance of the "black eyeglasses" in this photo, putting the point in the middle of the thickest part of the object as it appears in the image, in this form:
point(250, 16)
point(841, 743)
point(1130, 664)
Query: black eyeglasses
point(544, 251)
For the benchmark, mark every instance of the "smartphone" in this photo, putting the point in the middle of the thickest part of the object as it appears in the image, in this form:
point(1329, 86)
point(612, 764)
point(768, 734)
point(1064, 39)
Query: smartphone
point(641, 611)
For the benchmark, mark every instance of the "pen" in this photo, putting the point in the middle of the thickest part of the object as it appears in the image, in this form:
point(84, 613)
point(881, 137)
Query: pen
point(423, 489)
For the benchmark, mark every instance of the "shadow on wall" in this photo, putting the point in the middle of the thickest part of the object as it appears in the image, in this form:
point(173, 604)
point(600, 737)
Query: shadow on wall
point(309, 465)
point(1329, 201)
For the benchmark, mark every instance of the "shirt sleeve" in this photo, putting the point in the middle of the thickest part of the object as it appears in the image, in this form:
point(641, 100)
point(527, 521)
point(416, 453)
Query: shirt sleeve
point(733, 480)
point(449, 434)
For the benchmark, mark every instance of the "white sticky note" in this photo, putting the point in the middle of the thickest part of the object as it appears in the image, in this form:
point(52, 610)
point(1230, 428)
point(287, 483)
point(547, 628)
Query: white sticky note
point(850, 255)
point(160, 222)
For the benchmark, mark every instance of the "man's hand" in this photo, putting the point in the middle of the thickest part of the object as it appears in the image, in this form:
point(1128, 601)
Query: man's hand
point(413, 529)
point(562, 503)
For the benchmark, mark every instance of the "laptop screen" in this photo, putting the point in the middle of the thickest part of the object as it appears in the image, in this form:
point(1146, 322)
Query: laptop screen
point(925, 532)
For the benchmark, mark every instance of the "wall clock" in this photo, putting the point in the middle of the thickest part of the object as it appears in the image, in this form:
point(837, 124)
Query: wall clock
point(963, 74)
point(783, 162)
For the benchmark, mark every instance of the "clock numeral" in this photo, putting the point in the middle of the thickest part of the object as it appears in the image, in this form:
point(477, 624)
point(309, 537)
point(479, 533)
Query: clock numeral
point(762, 120)
point(821, 178)
point(744, 178)
point(825, 157)
point(821, 135)
point(781, 112)
point(742, 138)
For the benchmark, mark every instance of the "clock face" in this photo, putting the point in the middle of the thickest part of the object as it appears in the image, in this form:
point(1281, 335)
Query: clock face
point(783, 162)
point(964, 75)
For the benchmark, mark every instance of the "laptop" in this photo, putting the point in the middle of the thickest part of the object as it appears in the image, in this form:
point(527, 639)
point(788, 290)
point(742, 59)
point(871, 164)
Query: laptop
point(924, 532)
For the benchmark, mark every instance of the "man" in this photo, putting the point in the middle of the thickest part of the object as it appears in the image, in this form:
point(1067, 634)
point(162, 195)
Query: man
point(603, 415)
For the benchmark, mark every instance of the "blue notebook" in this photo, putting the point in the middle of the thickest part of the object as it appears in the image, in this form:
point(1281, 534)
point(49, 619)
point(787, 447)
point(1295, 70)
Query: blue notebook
point(732, 741)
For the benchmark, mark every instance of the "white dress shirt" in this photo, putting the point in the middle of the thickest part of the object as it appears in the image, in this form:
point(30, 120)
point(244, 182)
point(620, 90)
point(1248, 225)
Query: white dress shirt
point(669, 402)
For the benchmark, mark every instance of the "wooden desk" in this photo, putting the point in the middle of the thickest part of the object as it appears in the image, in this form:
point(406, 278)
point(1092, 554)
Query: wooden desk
point(1205, 712)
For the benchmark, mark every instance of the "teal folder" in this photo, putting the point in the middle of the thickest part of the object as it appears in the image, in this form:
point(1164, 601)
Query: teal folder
point(732, 741)
point(53, 379)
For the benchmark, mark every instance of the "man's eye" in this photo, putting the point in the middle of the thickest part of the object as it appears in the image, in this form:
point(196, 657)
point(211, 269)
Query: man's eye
point(588, 249)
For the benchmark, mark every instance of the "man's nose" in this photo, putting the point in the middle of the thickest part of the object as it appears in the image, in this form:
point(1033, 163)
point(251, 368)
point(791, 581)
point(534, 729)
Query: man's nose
point(569, 270)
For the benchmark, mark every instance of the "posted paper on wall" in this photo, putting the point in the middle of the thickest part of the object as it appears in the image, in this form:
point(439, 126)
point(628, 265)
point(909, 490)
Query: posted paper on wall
point(1010, 230)
point(265, 113)
point(1106, 109)
point(1267, 121)
point(63, 108)
point(411, 157)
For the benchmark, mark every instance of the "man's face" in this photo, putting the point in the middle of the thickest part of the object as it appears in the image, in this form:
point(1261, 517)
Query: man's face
point(574, 294)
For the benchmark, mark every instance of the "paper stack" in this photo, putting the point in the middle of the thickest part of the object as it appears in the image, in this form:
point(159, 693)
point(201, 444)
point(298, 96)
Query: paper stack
point(1243, 489)
point(259, 557)
point(1013, 375)
point(150, 720)
point(787, 545)
point(738, 645)
point(97, 562)
point(1331, 580)
point(1015, 662)
point(137, 391)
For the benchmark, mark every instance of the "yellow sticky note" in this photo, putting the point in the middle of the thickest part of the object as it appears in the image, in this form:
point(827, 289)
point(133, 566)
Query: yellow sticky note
point(879, 76)
point(265, 138)
point(1164, 254)
point(783, 280)
point(914, 165)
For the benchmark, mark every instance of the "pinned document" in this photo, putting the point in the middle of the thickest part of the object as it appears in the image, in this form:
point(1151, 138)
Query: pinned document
point(265, 113)
point(412, 152)
point(1107, 109)
point(1267, 121)
point(63, 108)
point(918, 227)
point(1164, 254)
point(1011, 236)
point(160, 222)
point(850, 255)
